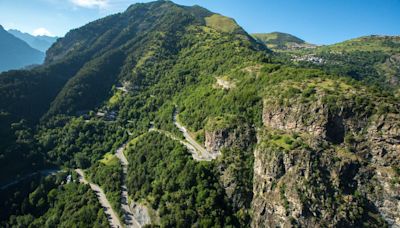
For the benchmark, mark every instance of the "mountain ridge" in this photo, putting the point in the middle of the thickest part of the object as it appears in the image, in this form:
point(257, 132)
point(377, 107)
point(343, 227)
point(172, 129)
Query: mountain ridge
point(17, 53)
point(41, 43)
point(282, 41)
point(293, 144)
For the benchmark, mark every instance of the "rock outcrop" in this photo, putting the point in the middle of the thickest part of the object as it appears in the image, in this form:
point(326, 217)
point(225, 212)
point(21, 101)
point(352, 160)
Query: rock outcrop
point(316, 118)
point(233, 132)
point(312, 186)
point(318, 166)
point(233, 138)
point(383, 137)
point(391, 69)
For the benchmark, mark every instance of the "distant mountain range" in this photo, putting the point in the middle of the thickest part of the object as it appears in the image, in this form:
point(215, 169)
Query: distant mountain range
point(41, 43)
point(15, 53)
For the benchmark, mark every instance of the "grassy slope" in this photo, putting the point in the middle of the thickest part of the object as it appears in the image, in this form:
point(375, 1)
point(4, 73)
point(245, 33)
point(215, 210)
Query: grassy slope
point(278, 40)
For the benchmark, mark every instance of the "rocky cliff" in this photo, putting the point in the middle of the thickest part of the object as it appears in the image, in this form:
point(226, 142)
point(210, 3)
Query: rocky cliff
point(321, 163)
point(297, 184)
point(228, 132)
point(234, 138)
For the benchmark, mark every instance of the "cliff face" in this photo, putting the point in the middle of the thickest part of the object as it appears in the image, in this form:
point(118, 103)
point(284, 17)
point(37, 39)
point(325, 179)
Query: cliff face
point(233, 137)
point(317, 165)
point(319, 185)
point(391, 69)
point(317, 118)
point(353, 120)
point(279, 182)
point(384, 146)
point(383, 137)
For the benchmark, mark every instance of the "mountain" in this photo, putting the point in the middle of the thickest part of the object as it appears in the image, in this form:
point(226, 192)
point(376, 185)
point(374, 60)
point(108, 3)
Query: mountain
point(155, 51)
point(194, 121)
point(16, 53)
point(41, 43)
point(281, 41)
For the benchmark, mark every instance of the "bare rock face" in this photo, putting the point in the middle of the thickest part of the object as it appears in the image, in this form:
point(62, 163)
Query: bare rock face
point(384, 140)
point(383, 136)
point(386, 195)
point(231, 136)
point(309, 187)
point(270, 203)
point(316, 119)
point(293, 118)
point(343, 172)
point(391, 69)
point(215, 141)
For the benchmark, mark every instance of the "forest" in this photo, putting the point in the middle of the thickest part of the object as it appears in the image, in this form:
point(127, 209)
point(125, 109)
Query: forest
point(140, 71)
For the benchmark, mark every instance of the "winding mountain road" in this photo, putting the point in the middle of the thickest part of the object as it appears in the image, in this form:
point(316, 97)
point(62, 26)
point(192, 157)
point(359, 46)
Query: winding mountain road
point(129, 218)
point(195, 154)
point(201, 151)
point(108, 210)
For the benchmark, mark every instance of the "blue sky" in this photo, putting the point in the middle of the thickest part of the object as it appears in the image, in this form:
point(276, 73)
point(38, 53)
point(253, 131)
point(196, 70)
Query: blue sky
point(316, 21)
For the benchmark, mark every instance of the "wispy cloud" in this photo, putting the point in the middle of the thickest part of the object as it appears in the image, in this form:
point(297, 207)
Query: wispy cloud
point(41, 32)
point(102, 4)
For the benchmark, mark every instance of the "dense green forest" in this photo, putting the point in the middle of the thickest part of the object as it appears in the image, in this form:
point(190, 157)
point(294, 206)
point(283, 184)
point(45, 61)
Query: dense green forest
point(107, 173)
point(156, 63)
point(49, 202)
point(183, 191)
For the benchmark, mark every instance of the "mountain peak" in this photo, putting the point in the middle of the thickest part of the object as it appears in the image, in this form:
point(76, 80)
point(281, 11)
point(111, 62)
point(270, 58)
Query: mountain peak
point(158, 17)
point(164, 6)
point(151, 5)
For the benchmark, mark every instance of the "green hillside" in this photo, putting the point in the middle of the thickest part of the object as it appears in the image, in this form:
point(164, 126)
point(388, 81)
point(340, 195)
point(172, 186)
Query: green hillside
point(390, 44)
point(178, 113)
point(281, 41)
point(373, 59)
